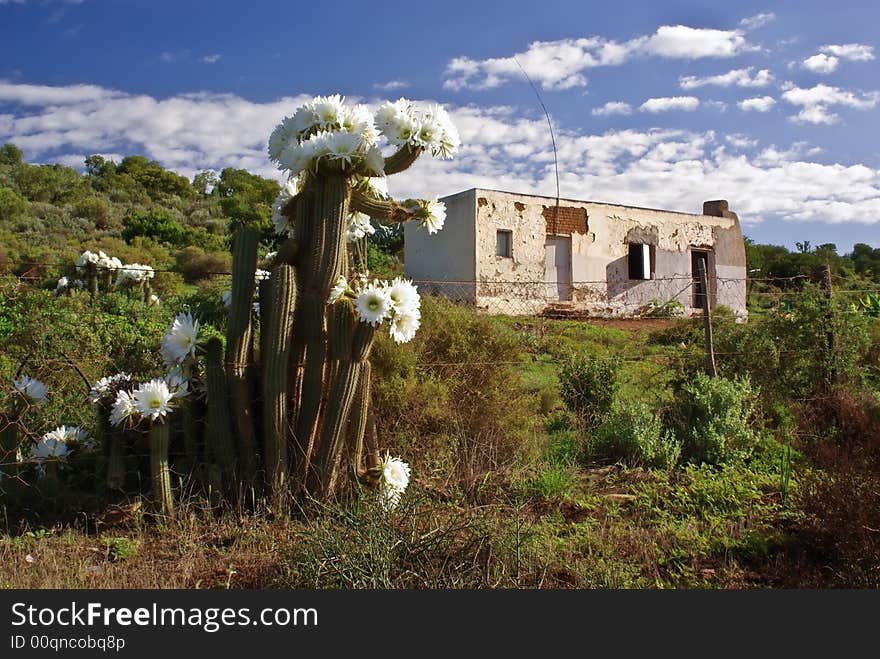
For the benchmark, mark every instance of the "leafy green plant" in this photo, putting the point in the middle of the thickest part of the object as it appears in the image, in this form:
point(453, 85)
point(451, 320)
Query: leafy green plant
point(588, 386)
point(712, 419)
point(868, 305)
point(633, 434)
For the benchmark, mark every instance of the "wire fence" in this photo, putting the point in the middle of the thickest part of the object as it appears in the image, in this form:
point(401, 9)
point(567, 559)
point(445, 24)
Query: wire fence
point(69, 368)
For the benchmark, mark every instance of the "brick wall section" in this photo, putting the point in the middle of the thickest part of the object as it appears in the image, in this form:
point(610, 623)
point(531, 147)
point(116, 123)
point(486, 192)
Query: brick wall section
point(565, 219)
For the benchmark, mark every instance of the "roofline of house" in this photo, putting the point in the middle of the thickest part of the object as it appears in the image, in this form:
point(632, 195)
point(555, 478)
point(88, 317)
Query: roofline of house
point(582, 201)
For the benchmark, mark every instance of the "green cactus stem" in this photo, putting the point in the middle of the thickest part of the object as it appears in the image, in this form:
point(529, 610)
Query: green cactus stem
point(357, 420)
point(264, 290)
point(386, 210)
point(191, 413)
point(219, 442)
point(116, 459)
point(278, 330)
point(238, 346)
point(160, 474)
point(325, 261)
point(51, 485)
point(403, 159)
point(350, 343)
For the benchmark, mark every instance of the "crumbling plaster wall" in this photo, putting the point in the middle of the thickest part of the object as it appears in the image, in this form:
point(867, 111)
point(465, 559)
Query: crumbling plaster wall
point(599, 269)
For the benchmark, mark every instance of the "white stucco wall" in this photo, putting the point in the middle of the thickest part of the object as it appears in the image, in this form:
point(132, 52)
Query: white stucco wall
point(599, 265)
point(445, 262)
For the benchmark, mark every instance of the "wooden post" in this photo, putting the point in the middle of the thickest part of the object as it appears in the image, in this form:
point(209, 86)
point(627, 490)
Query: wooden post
point(707, 318)
point(829, 324)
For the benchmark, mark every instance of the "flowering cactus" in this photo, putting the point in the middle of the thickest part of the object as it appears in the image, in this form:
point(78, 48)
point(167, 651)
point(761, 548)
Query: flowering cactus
point(318, 309)
point(287, 397)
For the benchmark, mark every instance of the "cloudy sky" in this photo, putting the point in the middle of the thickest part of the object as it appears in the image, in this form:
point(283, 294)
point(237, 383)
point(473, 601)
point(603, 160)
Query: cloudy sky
point(771, 105)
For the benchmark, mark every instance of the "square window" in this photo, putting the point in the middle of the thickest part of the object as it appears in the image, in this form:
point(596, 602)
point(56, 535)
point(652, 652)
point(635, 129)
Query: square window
point(639, 258)
point(503, 240)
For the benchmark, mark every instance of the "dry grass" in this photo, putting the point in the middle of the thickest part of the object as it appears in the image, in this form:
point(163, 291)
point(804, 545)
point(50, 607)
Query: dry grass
point(193, 551)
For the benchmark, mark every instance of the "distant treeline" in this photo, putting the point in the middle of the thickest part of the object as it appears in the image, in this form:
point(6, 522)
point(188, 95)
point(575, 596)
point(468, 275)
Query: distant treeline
point(143, 212)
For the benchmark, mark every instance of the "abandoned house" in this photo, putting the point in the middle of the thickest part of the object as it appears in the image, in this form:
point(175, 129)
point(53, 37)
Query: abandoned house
point(522, 254)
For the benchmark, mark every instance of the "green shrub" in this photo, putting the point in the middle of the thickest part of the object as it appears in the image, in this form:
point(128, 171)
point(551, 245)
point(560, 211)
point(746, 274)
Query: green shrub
point(451, 395)
point(712, 419)
point(96, 209)
point(588, 385)
point(196, 264)
point(153, 223)
point(633, 434)
point(12, 205)
point(554, 481)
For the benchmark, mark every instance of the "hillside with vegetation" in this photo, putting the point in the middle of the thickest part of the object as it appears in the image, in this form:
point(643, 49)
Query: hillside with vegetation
point(544, 453)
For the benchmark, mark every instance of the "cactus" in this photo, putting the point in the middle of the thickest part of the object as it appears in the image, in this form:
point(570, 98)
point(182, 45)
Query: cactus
point(307, 397)
point(238, 347)
point(219, 442)
point(160, 475)
point(278, 326)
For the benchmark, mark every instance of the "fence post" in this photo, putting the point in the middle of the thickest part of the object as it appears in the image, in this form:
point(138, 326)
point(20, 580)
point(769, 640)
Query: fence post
point(707, 318)
point(829, 324)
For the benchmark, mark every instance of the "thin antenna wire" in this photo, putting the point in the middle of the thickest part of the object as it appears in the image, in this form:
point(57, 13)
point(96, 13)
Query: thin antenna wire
point(549, 124)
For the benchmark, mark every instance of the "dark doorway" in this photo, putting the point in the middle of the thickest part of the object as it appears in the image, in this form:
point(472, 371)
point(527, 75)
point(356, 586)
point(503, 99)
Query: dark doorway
point(697, 257)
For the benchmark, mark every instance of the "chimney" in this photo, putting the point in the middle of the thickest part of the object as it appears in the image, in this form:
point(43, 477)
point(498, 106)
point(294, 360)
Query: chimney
point(716, 208)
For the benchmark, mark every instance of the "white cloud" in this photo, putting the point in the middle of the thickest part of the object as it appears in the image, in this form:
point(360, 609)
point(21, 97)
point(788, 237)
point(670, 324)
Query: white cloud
point(683, 42)
point(741, 141)
point(391, 85)
point(666, 103)
point(828, 58)
point(757, 104)
point(212, 59)
point(660, 168)
point(737, 77)
point(821, 63)
point(46, 95)
point(758, 20)
point(854, 52)
point(816, 101)
point(562, 64)
point(612, 107)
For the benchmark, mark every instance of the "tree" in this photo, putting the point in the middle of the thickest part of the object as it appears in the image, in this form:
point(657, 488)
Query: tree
point(94, 165)
point(205, 182)
point(246, 199)
point(153, 223)
point(10, 155)
point(154, 178)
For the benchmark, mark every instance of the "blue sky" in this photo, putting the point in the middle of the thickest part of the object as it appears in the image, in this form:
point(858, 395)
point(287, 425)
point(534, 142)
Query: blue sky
point(773, 106)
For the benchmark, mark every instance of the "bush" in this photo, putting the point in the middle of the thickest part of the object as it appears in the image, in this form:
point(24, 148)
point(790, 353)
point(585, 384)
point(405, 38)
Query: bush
point(196, 264)
point(96, 209)
point(158, 224)
point(12, 206)
point(633, 434)
point(588, 386)
point(450, 398)
point(712, 419)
